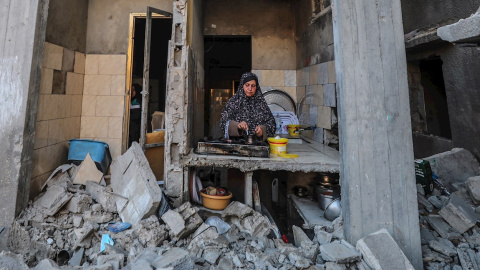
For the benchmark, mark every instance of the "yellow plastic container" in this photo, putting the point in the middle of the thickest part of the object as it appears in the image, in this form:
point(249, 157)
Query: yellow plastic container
point(278, 145)
point(216, 202)
point(292, 129)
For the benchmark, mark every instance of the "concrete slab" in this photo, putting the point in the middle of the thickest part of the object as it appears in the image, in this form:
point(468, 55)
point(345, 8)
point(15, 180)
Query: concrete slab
point(465, 30)
point(439, 225)
point(172, 258)
point(9, 260)
point(473, 186)
point(310, 212)
point(52, 200)
point(79, 204)
point(380, 251)
point(339, 253)
point(458, 214)
point(133, 179)
point(87, 172)
point(454, 166)
point(175, 221)
point(443, 246)
point(300, 236)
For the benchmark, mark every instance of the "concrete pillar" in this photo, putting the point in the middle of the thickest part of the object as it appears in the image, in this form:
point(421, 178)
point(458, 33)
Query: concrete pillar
point(22, 36)
point(377, 169)
point(176, 114)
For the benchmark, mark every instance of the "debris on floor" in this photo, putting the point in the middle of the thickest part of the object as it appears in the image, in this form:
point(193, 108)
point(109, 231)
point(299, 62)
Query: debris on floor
point(118, 225)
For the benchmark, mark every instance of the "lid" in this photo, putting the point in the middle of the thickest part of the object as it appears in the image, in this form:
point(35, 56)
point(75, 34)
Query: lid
point(281, 140)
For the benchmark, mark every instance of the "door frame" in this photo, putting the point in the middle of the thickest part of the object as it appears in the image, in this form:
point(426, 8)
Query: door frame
point(129, 79)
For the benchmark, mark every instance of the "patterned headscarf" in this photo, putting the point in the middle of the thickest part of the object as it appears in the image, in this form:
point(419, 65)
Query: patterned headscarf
point(253, 110)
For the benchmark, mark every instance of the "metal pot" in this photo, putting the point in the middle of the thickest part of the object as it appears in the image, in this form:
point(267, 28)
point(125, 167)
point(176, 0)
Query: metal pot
point(327, 179)
point(326, 194)
point(300, 191)
point(333, 210)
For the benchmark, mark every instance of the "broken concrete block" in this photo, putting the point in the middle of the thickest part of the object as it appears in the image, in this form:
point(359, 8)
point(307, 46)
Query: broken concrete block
point(87, 172)
point(443, 246)
point(300, 236)
point(256, 225)
point(211, 254)
point(454, 166)
point(323, 237)
point(380, 251)
point(424, 203)
point(299, 261)
point(9, 260)
point(473, 186)
point(465, 260)
point(133, 179)
point(175, 221)
point(150, 233)
point(46, 264)
point(175, 257)
point(97, 217)
point(207, 235)
point(107, 199)
point(54, 199)
point(77, 257)
point(82, 233)
point(116, 260)
point(426, 235)
point(435, 201)
point(309, 250)
point(439, 225)
point(238, 210)
point(458, 214)
point(335, 266)
point(79, 204)
point(284, 248)
point(339, 253)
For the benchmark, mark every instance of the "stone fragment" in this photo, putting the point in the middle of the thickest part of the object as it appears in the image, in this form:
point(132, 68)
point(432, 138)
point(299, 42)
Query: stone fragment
point(79, 204)
point(323, 237)
point(465, 30)
point(77, 222)
point(335, 266)
point(458, 214)
point(225, 263)
point(97, 217)
point(175, 221)
point(107, 199)
point(207, 235)
point(284, 248)
point(299, 261)
point(380, 251)
point(440, 226)
point(133, 179)
point(116, 260)
point(211, 254)
point(87, 172)
point(142, 265)
point(465, 260)
point(443, 246)
point(435, 201)
point(238, 210)
point(426, 236)
point(454, 166)
point(54, 199)
point(105, 266)
point(256, 225)
point(299, 236)
point(339, 253)
point(424, 203)
point(46, 264)
point(172, 258)
point(9, 260)
point(77, 257)
point(85, 231)
point(473, 186)
point(309, 250)
point(182, 221)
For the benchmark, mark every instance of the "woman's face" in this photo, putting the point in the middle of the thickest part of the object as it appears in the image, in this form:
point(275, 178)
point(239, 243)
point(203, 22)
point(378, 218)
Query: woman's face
point(250, 88)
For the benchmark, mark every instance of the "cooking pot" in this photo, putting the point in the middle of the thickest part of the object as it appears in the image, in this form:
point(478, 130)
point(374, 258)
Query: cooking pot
point(300, 191)
point(327, 178)
point(327, 194)
point(333, 210)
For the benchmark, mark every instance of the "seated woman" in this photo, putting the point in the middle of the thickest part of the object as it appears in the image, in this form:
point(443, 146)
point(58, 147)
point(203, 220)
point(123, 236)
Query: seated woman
point(247, 111)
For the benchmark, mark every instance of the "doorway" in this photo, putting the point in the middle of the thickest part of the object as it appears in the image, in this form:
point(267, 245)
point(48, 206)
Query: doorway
point(226, 59)
point(160, 37)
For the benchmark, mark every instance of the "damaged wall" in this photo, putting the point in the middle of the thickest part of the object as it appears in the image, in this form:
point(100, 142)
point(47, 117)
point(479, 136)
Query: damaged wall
point(427, 14)
point(108, 23)
point(59, 111)
point(460, 72)
point(270, 23)
point(67, 24)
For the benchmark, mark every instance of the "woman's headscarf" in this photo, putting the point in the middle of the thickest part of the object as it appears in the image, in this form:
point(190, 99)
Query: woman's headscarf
point(253, 110)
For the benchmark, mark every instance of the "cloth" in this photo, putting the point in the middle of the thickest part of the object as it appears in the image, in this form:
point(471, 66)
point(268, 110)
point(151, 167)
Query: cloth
point(253, 110)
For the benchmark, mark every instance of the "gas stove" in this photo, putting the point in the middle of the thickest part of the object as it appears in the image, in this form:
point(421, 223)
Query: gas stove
point(236, 147)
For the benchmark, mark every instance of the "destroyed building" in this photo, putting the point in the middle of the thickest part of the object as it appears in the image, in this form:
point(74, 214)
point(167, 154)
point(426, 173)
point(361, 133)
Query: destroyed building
point(381, 82)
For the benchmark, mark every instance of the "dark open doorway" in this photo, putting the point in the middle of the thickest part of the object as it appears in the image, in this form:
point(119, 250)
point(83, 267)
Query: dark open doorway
point(161, 34)
point(226, 59)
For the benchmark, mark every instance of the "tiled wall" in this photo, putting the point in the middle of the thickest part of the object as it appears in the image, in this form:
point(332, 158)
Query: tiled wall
point(58, 115)
point(314, 88)
point(103, 103)
point(317, 84)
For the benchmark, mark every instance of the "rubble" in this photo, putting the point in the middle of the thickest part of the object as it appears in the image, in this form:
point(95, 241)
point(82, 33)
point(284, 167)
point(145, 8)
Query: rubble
point(87, 171)
point(339, 253)
point(133, 179)
point(458, 214)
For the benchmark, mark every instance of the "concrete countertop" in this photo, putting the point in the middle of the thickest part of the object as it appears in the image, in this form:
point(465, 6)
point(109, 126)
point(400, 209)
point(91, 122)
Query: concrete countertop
point(313, 157)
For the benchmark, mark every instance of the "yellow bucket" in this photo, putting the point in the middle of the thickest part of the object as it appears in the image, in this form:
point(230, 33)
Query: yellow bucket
point(292, 129)
point(278, 146)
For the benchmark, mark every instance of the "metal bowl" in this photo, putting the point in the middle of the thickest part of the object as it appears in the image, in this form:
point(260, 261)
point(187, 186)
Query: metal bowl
point(333, 210)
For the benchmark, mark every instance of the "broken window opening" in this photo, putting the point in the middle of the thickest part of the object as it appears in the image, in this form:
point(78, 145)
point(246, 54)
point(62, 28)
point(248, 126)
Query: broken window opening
point(436, 107)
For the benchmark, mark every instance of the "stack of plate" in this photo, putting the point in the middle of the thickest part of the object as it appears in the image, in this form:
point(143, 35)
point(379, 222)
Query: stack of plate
point(284, 118)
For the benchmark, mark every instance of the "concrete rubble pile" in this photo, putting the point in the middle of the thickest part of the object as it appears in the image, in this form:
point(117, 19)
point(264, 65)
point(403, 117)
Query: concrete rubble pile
point(448, 217)
point(69, 226)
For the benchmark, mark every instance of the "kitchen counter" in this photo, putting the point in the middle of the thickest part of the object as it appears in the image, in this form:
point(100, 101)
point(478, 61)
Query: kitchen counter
point(313, 157)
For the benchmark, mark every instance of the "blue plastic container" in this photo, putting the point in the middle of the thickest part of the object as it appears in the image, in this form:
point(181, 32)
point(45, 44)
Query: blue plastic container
point(99, 151)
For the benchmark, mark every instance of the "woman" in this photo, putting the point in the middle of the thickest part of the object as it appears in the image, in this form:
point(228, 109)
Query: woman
point(247, 111)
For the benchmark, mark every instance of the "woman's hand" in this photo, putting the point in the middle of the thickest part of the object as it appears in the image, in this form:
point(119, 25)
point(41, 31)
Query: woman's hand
point(258, 131)
point(243, 125)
